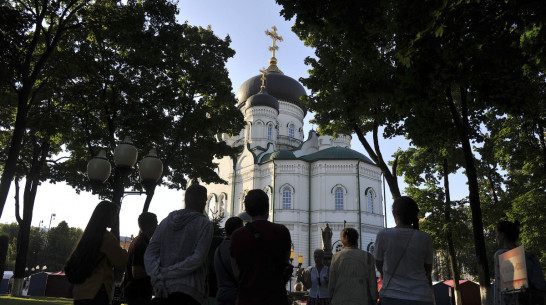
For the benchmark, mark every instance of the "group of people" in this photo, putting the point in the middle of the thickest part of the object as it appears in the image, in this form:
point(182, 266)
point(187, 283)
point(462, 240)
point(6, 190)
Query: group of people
point(169, 260)
point(403, 257)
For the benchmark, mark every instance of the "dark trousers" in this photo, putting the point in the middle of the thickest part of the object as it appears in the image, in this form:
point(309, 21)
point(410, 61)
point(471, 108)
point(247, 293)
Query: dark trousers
point(392, 301)
point(139, 292)
point(100, 299)
point(179, 298)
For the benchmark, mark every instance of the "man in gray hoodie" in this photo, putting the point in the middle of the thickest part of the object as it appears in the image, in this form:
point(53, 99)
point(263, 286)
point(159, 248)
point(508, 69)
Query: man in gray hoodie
point(175, 259)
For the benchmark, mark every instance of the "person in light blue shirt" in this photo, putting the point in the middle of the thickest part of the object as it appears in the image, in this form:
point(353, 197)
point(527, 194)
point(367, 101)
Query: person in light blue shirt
point(316, 278)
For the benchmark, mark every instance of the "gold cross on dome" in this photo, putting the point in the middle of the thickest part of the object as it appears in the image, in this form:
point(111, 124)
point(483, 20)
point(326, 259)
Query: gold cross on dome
point(264, 73)
point(274, 36)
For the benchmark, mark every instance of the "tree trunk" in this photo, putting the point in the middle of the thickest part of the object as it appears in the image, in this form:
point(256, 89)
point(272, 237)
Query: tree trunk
point(449, 236)
point(492, 190)
point(17, 288)
point(378, 159)
point(29, 197)
point(22, 248)
point(462, 126)
point(14, 149)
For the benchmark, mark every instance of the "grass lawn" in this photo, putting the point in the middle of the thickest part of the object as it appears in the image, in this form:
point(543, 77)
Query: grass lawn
point(7, 300)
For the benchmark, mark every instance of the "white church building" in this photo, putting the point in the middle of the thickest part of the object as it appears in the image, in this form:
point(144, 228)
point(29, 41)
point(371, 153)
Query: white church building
point(310, 181)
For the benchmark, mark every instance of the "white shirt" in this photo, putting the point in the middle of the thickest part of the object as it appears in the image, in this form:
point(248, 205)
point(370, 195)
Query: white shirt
point(409, 281)
point(319, 291)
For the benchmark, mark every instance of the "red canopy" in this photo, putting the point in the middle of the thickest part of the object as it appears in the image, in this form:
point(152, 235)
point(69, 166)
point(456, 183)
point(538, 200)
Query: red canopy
point(452, 283)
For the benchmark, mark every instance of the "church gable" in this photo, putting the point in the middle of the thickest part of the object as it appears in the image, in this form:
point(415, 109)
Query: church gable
point(308, 147)
point(246, 158)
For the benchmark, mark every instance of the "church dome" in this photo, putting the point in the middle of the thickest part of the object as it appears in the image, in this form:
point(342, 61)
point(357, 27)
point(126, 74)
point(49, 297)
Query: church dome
point(278, 85)
point(263, 98)
point(279, 154)
point(337, 153)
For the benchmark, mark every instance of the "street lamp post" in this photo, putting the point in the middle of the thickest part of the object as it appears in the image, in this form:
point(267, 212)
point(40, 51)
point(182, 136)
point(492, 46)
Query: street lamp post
point(50, 219)
point(292, 256)
point(300, 262)
point(125, 157)
point(151, 169)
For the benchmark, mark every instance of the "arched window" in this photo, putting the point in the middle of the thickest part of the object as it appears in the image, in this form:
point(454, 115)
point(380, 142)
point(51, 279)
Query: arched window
point(212, 206)
point(370, 201)
point(338, 198)
point(222, 204)
point(243, 194)
point(291, 131)
point(269, 131)
point(286, 198)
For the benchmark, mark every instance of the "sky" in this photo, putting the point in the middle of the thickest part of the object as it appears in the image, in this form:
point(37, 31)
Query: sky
point(245, 21)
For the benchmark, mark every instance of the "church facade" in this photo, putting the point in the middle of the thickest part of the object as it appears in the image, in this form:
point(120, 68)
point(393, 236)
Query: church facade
point(310, 181)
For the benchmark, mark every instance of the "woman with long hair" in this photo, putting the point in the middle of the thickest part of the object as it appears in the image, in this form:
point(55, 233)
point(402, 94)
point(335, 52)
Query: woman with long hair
point(352, 278)
point(403, 256)
point(90, 266)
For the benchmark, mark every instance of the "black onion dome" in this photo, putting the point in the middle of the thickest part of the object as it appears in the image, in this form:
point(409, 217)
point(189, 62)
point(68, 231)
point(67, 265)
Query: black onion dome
point(263, 98)
point(278, 85)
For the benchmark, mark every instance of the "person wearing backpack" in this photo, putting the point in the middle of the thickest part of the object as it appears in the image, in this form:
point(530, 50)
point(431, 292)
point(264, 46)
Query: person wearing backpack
point(91, 265)
point(260, 254)
point(507, 234)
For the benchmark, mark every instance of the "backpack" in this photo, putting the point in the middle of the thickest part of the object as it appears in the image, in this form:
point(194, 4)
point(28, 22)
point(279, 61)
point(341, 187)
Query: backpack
point(286, 269)
point(77, 274)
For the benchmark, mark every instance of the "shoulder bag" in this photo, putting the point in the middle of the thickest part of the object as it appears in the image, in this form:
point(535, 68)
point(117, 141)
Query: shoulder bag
point(395, 267)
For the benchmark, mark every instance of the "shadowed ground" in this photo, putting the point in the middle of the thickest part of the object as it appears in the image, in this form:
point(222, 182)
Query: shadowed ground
point(7, 300)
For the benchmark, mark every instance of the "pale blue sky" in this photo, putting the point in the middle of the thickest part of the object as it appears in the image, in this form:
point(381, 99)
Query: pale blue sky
point(245, 22)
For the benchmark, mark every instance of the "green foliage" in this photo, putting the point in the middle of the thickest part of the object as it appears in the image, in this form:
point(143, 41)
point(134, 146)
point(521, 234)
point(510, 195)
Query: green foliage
point(11, 231)
point(45, 248)
point(61, 240)
point(443, 74)
point(171, 92)
point(517, 146)
point(216, 220)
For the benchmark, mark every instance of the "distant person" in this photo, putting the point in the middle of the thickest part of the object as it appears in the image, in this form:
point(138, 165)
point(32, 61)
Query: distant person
point(91, 265)
point(403, 256)
point(212, 281)
point(245, 217)
point(260, 254)
point(316, 279)
point(507, 237)
point(227, 284)
point(176, 257)
point(138, 288)
point(352, 278)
